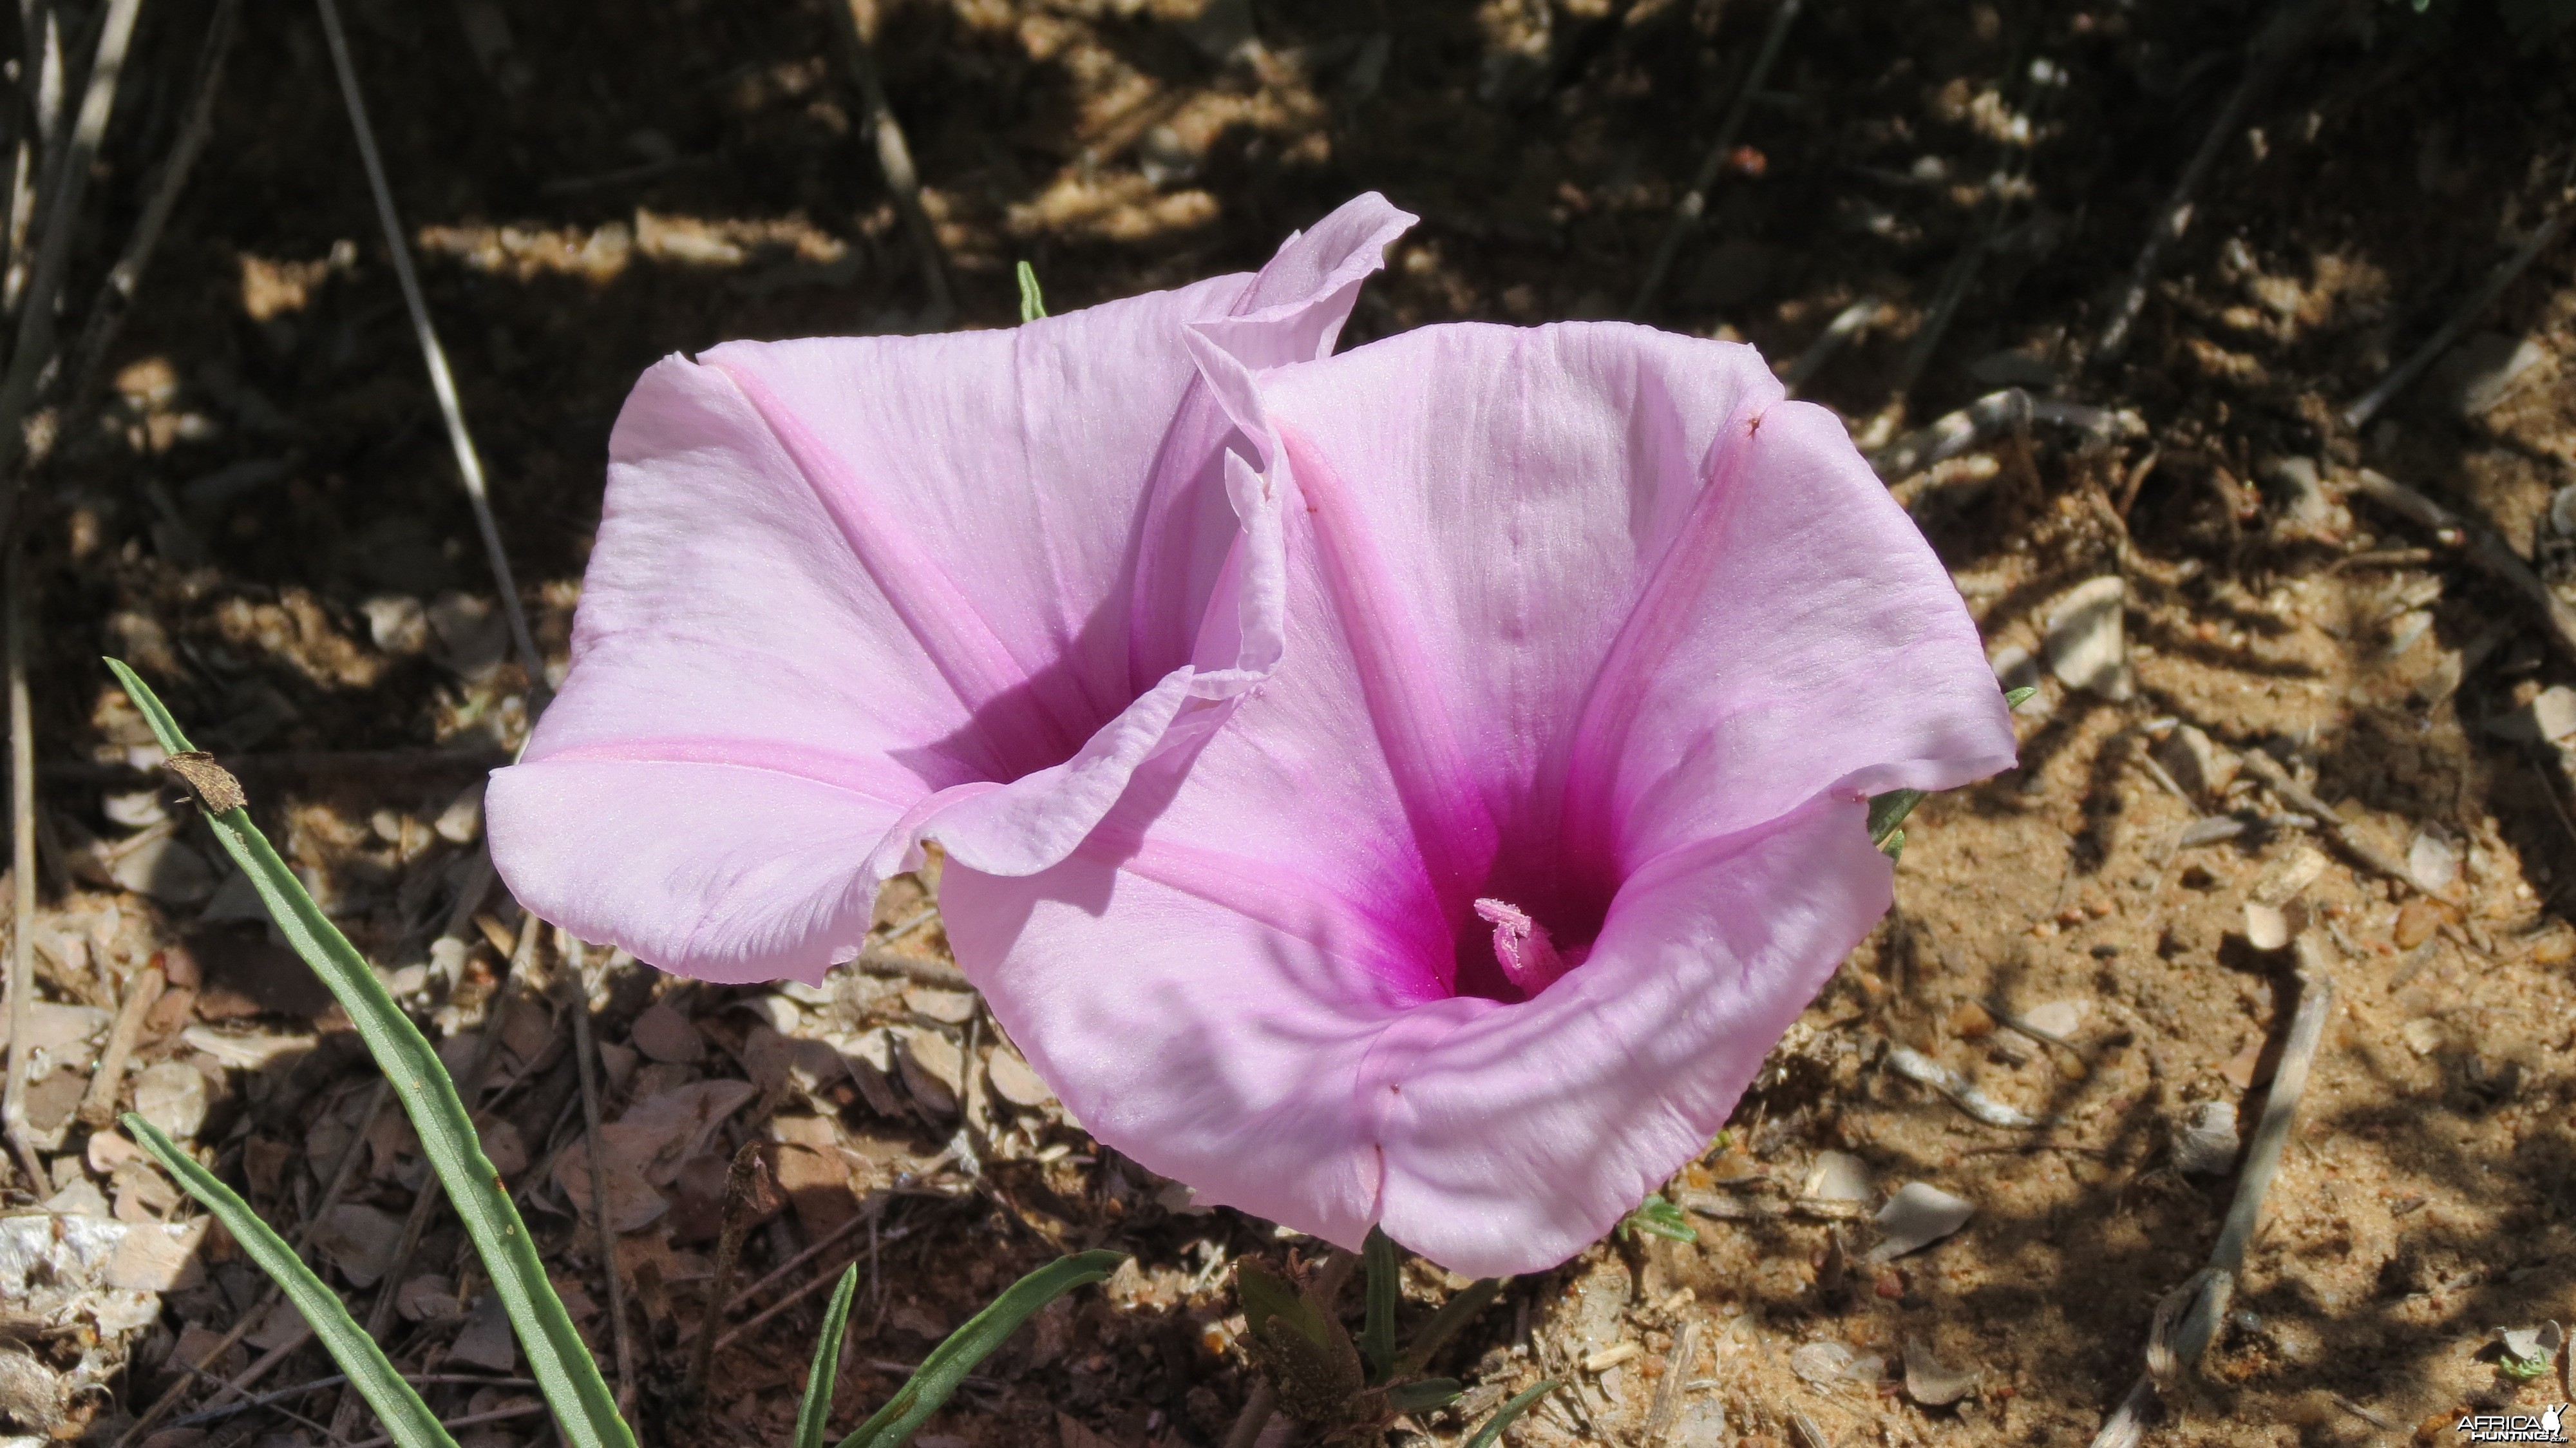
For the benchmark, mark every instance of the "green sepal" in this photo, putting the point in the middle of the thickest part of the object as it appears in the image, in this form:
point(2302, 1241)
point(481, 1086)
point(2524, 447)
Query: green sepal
point(1032, 301)
point(2016, 697)
point(1887, 811)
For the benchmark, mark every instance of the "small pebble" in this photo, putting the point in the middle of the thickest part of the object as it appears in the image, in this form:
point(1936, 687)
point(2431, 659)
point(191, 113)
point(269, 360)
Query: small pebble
point(1970, 1021)
point(2058, 1018)
point(2416, 923)
point(2431, 863)
point(172, 1096)
point(2423, 1035)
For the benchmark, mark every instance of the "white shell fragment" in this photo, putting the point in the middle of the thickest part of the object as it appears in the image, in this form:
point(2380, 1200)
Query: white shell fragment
point(1931, 1384)
point(2529, 1343)
point(2086, 648)
point(1919, 1215)
point(1839, 1176)
point(2059, 1018)
point(1821, 1363)
point(172, 1096)
point(2431, 863)
point(1913, 1065)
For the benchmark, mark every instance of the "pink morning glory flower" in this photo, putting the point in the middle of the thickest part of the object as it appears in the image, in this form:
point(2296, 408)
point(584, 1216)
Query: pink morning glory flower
point(850, 594)
point(1476, 918)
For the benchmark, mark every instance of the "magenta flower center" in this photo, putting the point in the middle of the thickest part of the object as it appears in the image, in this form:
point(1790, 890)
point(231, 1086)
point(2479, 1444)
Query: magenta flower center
point(1522, 938)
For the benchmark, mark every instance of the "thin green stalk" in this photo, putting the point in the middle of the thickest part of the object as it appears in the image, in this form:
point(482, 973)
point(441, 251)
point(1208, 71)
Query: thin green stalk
point(408, 1420)
point(557, 1359)
point(816, 1411)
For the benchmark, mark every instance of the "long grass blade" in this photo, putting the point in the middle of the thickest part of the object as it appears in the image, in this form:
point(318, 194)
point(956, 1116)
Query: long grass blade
point(408, 1420)
point(1509, 1413)
point(557, 1359)
point(1454, 1314)
point(816, 1410)
point(950, 1362)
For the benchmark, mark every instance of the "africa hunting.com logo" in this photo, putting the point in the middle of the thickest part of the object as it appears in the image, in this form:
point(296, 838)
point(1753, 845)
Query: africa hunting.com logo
point(2547, 1427)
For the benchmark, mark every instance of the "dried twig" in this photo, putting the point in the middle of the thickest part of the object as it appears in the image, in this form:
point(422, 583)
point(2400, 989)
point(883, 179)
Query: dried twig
point(856, 22)
point(866, 1217)
point(67, 177)
point(2354, 843)
point(742, 1203)
point(116, 294)
point(1847, 324)
point(2188, 1317)
point(496, 1415)
point(300, 762)
point(280, 1395)
point(469, 462)
point(2271, 49)
point(2480, 545)
point(576, 986)
point(2367, 406)
point(1951, 434)
point(820, 1281)
point(22, 856)
point(1694, 202)
point(914, 967)
point(98, 1104)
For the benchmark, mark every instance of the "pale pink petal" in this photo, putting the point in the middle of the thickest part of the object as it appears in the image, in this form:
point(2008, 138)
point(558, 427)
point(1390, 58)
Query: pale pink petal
point(1197, 1013)
point(1660, 592)
point(1524, 1134)
point(881, 570)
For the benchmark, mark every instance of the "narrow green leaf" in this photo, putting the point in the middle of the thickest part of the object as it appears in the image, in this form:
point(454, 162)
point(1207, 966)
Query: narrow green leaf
point(1032, 303)
point(949, 1363)
point(408, 1420)
point(1385, 1262)
point(2015, 698)
point(1509, 1413)
point(1422, 1395)
point(1457, 1312)
point(1887, 811)
point(1894, 845)
point(1267, 1296)
point(816, 1410)
point(562, 1366)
